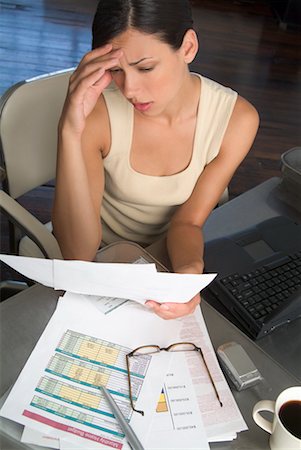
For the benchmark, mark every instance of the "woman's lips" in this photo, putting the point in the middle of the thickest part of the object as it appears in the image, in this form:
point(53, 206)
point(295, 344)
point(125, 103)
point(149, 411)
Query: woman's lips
point(142, 106)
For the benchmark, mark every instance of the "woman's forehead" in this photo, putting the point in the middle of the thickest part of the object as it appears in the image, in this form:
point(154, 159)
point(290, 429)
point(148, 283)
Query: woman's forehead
point(133, 37)
point(136, 45)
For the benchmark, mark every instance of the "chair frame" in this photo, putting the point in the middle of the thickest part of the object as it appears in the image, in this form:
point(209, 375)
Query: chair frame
point(20, 220)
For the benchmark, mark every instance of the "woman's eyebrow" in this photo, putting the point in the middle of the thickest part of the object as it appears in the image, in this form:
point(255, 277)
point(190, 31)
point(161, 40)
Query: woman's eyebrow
point(139, 61)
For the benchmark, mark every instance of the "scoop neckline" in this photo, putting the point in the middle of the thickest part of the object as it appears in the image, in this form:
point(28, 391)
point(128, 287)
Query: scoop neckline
point(195, 139)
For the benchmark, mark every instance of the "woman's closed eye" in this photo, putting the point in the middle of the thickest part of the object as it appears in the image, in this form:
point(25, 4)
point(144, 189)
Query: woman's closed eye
point(145, 69)
point(116, 70)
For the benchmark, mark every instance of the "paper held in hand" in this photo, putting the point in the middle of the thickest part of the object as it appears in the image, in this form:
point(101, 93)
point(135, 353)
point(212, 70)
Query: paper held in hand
point(139, 282)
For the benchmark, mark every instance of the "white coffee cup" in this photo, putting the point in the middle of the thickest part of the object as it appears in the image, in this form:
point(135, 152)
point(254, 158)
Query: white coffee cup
point(285, 433)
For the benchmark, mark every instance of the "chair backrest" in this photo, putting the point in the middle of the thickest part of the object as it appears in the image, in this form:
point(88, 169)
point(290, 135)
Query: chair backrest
point(29, 114)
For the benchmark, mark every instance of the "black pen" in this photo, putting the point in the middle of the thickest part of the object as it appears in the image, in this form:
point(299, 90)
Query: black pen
point(126, 427)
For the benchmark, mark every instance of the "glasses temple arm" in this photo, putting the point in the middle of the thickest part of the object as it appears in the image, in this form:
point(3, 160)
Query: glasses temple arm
point(210, 376)
point(127, 358)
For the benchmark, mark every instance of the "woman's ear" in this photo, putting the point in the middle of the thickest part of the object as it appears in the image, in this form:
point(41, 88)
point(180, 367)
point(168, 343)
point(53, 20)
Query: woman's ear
point(190, 46)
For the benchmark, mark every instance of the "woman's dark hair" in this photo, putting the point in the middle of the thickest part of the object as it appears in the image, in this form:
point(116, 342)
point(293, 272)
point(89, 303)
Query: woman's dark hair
point(168, 19)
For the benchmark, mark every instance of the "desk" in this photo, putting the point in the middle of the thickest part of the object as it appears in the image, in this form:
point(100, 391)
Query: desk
point(25, 315)
point(268, 199)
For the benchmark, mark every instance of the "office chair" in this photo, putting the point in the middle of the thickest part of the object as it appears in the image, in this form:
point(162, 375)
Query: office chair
point(29, 114)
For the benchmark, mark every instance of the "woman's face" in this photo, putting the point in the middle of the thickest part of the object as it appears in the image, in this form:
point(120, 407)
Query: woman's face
point(150, 73)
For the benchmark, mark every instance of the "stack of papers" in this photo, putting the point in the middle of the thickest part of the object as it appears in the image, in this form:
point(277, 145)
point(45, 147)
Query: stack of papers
point(57, 396)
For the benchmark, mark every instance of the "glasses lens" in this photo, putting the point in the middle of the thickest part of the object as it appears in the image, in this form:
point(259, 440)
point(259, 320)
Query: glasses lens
point(182, 347)
point(146, 350)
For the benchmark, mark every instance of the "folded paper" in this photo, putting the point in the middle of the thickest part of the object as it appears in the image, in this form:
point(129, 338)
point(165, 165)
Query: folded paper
point(139, 282)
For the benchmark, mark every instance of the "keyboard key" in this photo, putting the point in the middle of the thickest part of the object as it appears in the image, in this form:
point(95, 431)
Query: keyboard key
point(245, 286)
point(271, 291)
point(247, 293)
point(267, 276)
point(256, 315)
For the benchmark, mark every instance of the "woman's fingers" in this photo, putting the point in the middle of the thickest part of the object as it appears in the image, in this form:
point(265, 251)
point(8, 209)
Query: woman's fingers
point(97, 56)
point(83, 83)
point(86, 75)
point(96, 53)
point(174, 310)
point(87, 83)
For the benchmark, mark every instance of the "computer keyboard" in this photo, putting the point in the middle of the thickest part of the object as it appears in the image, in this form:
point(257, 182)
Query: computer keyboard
point(265, 297)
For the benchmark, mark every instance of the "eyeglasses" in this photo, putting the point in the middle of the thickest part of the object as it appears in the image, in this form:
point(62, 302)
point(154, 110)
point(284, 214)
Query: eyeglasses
point(151, 349)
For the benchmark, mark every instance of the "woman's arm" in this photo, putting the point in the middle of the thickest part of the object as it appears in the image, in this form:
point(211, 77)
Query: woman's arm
point(78, 195)
point(83, 135)
point(184, 237)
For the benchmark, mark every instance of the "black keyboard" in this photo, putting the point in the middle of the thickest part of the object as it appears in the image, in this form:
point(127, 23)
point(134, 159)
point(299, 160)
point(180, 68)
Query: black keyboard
point(264, 298)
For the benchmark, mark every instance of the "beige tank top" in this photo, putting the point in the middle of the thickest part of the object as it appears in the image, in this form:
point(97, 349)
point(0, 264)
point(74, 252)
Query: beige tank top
point(139, 207)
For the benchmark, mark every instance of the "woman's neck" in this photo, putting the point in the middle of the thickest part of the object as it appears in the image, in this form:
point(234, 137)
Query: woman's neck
point(184, 106)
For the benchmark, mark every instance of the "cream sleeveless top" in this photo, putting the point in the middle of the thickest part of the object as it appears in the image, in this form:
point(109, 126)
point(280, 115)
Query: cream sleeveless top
point(139, 207)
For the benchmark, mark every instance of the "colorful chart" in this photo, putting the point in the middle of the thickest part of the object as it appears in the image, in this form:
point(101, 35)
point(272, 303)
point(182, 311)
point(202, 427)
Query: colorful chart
point(70, 388)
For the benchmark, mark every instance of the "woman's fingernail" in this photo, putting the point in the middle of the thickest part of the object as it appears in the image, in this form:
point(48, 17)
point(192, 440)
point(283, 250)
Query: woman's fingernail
point(149, 305)
point(164, 307)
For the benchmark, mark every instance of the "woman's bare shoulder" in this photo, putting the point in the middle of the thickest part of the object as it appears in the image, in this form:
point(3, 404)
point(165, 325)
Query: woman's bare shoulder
point(244, 112)
point(241, 130)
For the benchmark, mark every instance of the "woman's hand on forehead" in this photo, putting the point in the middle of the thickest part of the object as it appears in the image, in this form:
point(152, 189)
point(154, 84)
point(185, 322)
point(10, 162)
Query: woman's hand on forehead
point(101, 54)
point(86, 84)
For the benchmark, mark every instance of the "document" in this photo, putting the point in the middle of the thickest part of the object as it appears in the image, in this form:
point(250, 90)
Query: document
point(84, 346)
point(58, 393)
point(139, 282)
point(178, 422)
point(30, 436)
point(221, 423)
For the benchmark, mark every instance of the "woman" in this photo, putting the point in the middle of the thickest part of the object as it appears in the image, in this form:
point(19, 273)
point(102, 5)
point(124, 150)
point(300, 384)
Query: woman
point(144, 144)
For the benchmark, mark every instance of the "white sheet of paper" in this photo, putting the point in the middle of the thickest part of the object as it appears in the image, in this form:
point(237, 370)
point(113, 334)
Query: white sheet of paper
point(40, 380)
point(81, 444)
point(221, 423)
point(37, 269)
point(178, 423)
point(139, 282)
point(181, 426)
point(30, 436)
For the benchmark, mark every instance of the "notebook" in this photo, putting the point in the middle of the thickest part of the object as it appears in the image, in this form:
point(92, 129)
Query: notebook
point(258, 286)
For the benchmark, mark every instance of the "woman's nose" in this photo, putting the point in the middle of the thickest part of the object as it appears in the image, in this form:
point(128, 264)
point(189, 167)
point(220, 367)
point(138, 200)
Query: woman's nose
point(130, 86)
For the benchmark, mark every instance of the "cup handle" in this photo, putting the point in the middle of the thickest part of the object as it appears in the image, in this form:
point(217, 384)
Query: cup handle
point(263, 405)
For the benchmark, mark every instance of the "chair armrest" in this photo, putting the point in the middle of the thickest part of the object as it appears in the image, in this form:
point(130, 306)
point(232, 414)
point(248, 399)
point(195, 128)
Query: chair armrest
point(31, 226)
point(224, 198)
